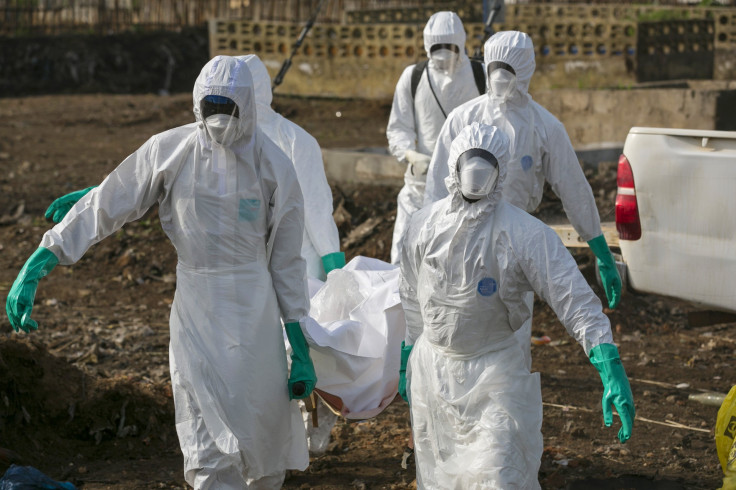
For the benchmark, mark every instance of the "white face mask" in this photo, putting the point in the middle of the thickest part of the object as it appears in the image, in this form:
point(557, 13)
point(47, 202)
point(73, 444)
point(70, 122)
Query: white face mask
point(444, 60)
point(222, 128)
point(477, 177)
point(502, 84)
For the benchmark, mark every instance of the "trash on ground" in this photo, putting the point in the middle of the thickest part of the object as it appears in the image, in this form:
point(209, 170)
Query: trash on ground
point(24, 477)
point(715, 399)
point(543, 340)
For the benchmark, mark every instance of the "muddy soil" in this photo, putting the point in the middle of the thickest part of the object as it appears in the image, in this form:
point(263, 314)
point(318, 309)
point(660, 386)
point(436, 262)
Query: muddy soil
point(87, 397)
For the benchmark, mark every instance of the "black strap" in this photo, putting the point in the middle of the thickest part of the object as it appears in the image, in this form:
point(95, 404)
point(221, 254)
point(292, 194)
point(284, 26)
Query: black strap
point(479, 75)
point(416, 75)
point(429, 81)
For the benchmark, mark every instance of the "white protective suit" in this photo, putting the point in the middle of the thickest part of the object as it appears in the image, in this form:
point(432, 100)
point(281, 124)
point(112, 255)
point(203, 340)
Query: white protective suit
point(415, 122)
point(320, 232)
point(465, 268)
point(234, 213)
point(539, 145)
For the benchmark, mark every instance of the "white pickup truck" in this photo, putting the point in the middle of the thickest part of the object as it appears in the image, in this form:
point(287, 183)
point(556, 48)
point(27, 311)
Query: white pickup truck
point(676, 214)
point(675, 229)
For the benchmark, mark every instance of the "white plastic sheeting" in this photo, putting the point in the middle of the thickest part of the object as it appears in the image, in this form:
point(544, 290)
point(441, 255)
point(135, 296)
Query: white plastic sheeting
point(354, 330)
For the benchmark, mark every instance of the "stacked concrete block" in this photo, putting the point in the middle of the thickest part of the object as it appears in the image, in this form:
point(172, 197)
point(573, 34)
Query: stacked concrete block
point(468, 11)
point(364, 58)
point(581, 32)
point(725, 44)
point(334, 60)
point(679, 49)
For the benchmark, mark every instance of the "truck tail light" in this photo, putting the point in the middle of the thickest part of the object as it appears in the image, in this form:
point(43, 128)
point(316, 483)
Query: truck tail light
point(627, 209)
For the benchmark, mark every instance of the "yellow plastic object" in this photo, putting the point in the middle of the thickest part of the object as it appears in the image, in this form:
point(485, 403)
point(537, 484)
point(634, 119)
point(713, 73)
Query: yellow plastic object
point(729, 474)
point(725, 435)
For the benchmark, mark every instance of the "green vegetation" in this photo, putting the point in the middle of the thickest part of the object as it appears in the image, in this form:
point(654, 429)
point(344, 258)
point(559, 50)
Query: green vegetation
point(651, 13)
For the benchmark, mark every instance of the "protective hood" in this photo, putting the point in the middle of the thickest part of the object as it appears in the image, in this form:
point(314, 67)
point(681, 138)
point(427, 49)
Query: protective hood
point(483, 136)
point(261, 79)
point(444, 28)
point(513, 48)
point(228, 77)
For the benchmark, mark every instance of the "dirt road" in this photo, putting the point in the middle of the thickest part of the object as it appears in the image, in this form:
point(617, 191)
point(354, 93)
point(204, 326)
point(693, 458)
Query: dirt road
point(87, 397)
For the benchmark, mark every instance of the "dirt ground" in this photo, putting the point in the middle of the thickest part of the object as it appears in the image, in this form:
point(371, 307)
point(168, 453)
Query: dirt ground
point(87, 397)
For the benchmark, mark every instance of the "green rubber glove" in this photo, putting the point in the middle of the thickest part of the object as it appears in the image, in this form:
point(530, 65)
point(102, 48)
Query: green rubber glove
point(58, 209)
point(333, 261)
point(405, 351)
point(19, 304)
point(302, 378)
point(616, 389)
point(607, 267)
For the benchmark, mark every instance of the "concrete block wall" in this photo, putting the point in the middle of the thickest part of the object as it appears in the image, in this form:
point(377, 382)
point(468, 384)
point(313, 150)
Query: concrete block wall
point(725, 44)
point(362, 61)
point(567, 29)
point(605, 116)
point(468, 11)
point(680, 49)
point(586, 32)
point(365, 59)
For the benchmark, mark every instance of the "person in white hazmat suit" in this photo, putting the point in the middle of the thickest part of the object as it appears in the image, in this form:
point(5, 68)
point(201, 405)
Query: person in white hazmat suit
point(445, 81)
point(321, 242)
point(467, 262)
point(540, 151)
point(230, 203)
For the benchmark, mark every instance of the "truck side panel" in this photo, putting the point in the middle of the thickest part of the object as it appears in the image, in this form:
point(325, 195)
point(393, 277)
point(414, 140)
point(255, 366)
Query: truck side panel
point(686, 194)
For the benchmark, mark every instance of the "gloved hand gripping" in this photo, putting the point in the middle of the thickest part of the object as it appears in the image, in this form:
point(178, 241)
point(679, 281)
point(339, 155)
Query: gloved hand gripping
point(608, 271)
point(419, 162)
point(335, 260)
point(405, 351)
point(302, 378)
